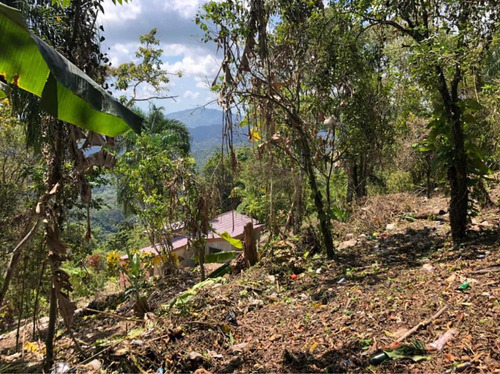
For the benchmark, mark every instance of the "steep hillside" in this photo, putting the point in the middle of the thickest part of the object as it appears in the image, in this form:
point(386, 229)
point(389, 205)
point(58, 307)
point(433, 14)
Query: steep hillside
point(298, 312)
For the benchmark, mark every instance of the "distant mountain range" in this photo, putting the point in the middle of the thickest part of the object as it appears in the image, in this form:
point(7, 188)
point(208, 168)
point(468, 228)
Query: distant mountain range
point(205, 126)
point(197, 117)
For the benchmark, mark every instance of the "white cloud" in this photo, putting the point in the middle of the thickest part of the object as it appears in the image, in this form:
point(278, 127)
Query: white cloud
point(191, 95)
point(118, 14)
point(186, 8)
point(122, 52)
point(194, 64)
point(174, 49)
point(180, 40)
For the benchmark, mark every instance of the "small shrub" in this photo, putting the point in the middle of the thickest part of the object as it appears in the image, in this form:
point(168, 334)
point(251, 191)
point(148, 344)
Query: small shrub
point(400, 181)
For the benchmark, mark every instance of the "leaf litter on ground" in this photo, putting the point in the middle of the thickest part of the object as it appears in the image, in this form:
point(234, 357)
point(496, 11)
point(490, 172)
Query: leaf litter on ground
point(313, 323)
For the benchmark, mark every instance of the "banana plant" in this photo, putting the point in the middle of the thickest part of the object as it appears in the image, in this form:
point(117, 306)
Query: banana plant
point(66, 92)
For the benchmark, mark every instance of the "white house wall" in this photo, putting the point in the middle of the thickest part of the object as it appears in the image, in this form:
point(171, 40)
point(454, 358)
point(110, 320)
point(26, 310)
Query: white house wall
point(221, 244)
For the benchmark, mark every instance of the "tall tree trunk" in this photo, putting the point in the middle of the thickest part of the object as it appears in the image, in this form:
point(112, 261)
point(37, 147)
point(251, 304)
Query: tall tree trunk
point(357, 170)
point(201, 259)
point(457, 170)
point(324, 219)
point(457, 175)
point(272, 214)
point(51, 329)
point(428, 170)
point(352, 180)
point(54, 214)
point(362, 176)
point(297, 222)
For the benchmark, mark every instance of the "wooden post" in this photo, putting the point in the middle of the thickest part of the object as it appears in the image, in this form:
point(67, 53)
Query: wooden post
point(251, 256)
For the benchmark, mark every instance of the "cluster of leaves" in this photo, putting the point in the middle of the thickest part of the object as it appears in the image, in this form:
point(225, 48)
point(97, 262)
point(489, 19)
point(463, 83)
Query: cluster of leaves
point(130, 75)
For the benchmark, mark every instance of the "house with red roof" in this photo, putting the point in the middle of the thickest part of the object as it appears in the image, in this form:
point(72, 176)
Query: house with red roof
point(231, 222)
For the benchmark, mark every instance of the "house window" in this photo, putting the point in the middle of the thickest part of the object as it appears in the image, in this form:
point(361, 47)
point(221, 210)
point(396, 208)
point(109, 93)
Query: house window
point(212, 250)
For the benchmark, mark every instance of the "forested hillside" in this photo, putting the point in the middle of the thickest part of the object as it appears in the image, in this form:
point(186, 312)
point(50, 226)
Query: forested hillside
point(338, 212)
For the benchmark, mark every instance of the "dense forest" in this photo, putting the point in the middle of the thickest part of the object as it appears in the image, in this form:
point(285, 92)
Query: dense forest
point(370, 156)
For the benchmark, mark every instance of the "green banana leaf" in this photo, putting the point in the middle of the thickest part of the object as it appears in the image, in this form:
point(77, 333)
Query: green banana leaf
point(67, 92)
point(222, 270)
point(185, 297)
point(212, 258)
point(218, 257)
point(416, 352)
point(233, 241)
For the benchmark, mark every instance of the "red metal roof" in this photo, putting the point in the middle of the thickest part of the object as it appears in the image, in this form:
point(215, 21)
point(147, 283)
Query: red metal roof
point(232, 222)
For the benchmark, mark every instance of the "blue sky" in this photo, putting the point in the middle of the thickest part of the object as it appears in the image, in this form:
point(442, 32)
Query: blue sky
point(180, 40)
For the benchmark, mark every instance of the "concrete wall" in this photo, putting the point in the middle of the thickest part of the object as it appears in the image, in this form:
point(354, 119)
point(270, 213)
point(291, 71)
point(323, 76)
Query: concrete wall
point(188, 253)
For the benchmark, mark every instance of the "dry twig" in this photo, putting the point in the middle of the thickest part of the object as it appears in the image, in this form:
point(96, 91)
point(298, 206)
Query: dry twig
point(421, 324)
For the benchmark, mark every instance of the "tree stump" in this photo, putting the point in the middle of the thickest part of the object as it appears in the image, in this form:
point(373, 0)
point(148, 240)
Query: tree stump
point(251, 256)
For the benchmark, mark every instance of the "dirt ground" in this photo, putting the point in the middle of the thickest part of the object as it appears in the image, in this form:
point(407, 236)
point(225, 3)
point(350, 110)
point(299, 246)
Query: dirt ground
point(298, 312)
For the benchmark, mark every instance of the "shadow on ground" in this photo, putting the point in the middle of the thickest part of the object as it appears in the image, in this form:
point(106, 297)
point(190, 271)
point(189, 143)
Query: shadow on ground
point(332, 361)
point(404, 249)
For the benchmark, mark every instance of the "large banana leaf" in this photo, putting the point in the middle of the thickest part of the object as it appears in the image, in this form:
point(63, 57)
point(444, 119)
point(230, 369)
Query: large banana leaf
point(212, 258)
point(67, 92)
point(233, 241)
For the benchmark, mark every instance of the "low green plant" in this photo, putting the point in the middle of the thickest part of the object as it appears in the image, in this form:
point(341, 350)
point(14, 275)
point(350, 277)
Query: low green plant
point(400, 181)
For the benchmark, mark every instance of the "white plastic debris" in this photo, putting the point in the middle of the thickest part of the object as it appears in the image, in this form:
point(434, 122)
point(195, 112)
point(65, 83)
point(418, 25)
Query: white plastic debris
point(428, 268)
point(60, 368)
point(443, 339)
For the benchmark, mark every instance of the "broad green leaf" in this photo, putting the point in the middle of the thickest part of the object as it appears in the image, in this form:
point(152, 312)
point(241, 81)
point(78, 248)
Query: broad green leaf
point(219, 257)
point(187, 296)
point(472, 104)
point(397, 354)
point(219, 272)
point(233, 241)
point(67, 92)
point(416, 352)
